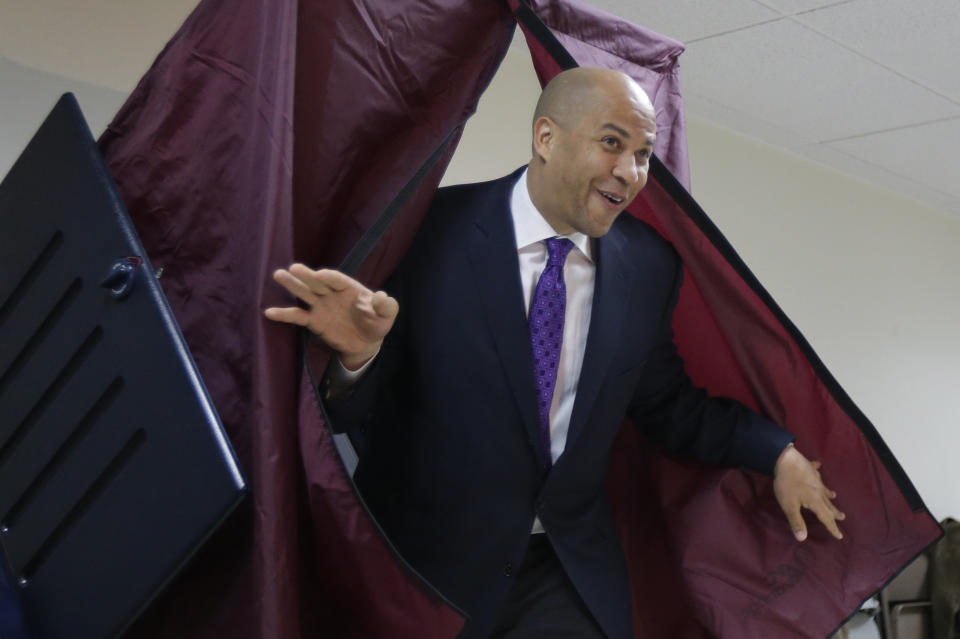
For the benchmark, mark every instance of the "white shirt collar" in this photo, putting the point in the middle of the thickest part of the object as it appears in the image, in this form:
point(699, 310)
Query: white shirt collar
point(531, 227)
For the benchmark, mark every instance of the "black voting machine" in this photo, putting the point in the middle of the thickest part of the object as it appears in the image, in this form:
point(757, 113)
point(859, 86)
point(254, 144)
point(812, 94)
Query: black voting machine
point(114, 467)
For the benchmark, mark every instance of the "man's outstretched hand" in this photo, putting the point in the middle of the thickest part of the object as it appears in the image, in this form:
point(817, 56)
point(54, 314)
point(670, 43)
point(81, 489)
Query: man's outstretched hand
point(797, 484)
point(350, 318)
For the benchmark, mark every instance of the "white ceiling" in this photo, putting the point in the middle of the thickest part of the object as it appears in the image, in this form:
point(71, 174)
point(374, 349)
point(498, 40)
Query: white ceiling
point(868, 87)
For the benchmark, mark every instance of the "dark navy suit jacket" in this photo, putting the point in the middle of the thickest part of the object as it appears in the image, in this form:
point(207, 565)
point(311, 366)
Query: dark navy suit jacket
point(450, 461)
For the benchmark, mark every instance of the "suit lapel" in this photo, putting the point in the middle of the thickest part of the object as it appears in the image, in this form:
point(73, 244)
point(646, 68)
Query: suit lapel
point(492, 250)
point(612, 289)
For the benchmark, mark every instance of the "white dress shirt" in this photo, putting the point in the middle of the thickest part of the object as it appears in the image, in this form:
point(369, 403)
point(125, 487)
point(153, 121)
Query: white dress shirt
point(531, 229)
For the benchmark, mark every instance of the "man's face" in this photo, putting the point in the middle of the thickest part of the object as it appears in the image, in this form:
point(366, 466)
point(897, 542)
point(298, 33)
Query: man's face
point(596, 165)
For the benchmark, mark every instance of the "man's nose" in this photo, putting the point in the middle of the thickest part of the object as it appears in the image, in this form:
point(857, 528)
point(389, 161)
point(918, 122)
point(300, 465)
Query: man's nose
point(627, 170)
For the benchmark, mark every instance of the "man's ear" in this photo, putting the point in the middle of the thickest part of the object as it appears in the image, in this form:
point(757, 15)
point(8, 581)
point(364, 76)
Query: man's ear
point(544, 137)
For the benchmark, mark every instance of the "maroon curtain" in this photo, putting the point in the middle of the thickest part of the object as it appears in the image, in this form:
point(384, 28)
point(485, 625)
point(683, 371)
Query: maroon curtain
point(270, 131)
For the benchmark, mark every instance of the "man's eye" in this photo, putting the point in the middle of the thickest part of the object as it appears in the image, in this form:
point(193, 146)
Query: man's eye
point(613, 143)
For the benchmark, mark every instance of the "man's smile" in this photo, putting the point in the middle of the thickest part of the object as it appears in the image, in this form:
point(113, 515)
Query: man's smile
point(611, 197)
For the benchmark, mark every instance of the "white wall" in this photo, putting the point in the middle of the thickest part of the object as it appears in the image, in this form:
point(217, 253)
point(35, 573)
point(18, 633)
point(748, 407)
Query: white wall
point(869, 277)
point(96, 49)
point(27, 95)
point(496, 139)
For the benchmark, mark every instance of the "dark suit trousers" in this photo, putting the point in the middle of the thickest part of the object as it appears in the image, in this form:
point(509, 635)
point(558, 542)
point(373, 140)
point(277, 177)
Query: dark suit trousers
point(543, 601)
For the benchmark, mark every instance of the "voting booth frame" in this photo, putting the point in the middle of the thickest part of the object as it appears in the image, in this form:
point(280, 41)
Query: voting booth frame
point(114, 467)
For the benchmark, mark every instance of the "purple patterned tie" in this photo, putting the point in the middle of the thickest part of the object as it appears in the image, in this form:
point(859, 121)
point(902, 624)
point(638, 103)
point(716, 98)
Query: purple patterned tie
point(546, 332)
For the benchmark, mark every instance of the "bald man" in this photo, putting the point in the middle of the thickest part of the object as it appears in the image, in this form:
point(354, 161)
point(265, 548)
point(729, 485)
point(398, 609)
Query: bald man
point(528, 319)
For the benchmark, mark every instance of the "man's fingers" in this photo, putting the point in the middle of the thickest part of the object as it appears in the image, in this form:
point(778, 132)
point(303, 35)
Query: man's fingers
point(826, 513)
point(837, 513)
point(313, 280)
point(384, 305)
point(290, 315)
point(797, 524)
point(323, 281)
point(294, 285)
point(832, 494)
point(335, 280)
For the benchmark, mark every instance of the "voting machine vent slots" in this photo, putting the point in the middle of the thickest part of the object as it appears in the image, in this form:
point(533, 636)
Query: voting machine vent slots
point(113, 465)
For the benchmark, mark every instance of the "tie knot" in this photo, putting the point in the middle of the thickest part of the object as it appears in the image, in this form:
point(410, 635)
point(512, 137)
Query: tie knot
point(557, 250)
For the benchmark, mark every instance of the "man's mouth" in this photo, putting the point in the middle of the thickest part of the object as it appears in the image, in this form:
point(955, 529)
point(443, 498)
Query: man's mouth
point(611, 197)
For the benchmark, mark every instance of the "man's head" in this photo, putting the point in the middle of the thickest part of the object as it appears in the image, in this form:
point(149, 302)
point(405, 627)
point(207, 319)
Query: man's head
point(593, 134)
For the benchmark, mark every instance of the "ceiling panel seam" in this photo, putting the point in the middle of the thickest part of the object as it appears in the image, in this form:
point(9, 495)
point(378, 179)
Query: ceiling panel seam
point(788, 14)
point(735, 30)
point(888, 130)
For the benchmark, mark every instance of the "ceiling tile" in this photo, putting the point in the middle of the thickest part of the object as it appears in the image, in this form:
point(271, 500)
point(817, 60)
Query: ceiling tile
point(784, 73)
point(688, 20)
point(926, 154)
point(918, 39)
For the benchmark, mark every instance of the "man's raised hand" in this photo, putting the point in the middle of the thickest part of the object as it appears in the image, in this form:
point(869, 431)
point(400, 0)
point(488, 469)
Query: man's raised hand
point(350, 318)
point(797, 485)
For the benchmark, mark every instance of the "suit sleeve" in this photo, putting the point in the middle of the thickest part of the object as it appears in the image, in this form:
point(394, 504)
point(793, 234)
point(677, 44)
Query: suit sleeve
point(357, 407)
point(689, 423)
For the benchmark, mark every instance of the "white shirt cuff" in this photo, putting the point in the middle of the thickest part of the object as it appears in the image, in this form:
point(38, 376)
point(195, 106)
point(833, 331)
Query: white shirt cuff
point(340, 376)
